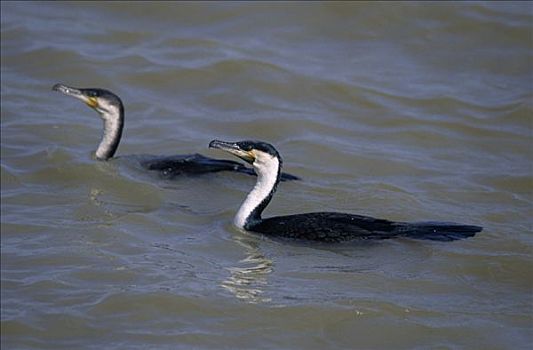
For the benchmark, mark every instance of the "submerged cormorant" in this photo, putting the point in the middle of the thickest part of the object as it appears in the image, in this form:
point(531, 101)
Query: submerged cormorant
point(111, 110)
point(320, 226)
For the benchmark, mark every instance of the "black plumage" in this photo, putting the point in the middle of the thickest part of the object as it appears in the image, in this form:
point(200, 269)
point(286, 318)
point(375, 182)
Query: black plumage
point(197, 164)
point(111, 109)
point(320, 226)
point(341, 227)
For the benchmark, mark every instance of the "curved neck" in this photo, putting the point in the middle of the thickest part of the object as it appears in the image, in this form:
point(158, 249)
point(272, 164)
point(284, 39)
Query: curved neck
point(113, 124)
point(268, 175)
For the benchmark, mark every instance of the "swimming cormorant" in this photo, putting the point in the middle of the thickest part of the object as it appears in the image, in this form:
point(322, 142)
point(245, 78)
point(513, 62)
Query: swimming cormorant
point(111, 110)
point(319, 226)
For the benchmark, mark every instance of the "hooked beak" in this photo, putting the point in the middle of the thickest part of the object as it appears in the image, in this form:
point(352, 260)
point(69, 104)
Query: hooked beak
point(233, 148)
point(77, 93)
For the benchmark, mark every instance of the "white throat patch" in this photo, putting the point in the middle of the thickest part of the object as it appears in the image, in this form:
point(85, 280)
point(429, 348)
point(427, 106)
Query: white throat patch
point(110, 114)
point(266, 166)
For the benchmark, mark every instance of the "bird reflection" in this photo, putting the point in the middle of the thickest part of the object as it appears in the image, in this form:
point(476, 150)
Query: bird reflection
point(248, 280)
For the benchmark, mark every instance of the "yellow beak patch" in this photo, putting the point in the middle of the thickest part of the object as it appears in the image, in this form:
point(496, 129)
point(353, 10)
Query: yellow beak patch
point(92, 102)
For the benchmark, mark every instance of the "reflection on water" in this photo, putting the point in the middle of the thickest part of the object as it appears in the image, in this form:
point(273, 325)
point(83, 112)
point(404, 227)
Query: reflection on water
point(248, 280)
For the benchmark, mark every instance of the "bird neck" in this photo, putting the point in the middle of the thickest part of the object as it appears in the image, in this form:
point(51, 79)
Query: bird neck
point(113, 124)
point(268, 175)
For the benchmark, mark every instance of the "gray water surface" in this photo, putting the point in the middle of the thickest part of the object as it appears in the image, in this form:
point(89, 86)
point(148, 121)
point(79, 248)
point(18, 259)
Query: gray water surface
point(404, 111)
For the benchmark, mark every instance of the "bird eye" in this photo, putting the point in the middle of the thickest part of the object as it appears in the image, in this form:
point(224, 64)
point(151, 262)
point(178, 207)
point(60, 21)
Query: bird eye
point(91, 94)
point(245, 146)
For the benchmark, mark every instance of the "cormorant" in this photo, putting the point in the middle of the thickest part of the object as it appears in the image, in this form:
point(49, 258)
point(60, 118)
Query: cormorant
point(319, 226)
point(111, 110)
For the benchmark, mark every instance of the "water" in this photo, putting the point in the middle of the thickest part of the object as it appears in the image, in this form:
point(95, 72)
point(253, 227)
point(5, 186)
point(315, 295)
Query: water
point(405, 111)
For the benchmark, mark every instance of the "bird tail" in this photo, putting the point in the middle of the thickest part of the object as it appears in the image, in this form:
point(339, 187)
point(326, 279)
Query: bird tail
point(438, 231)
